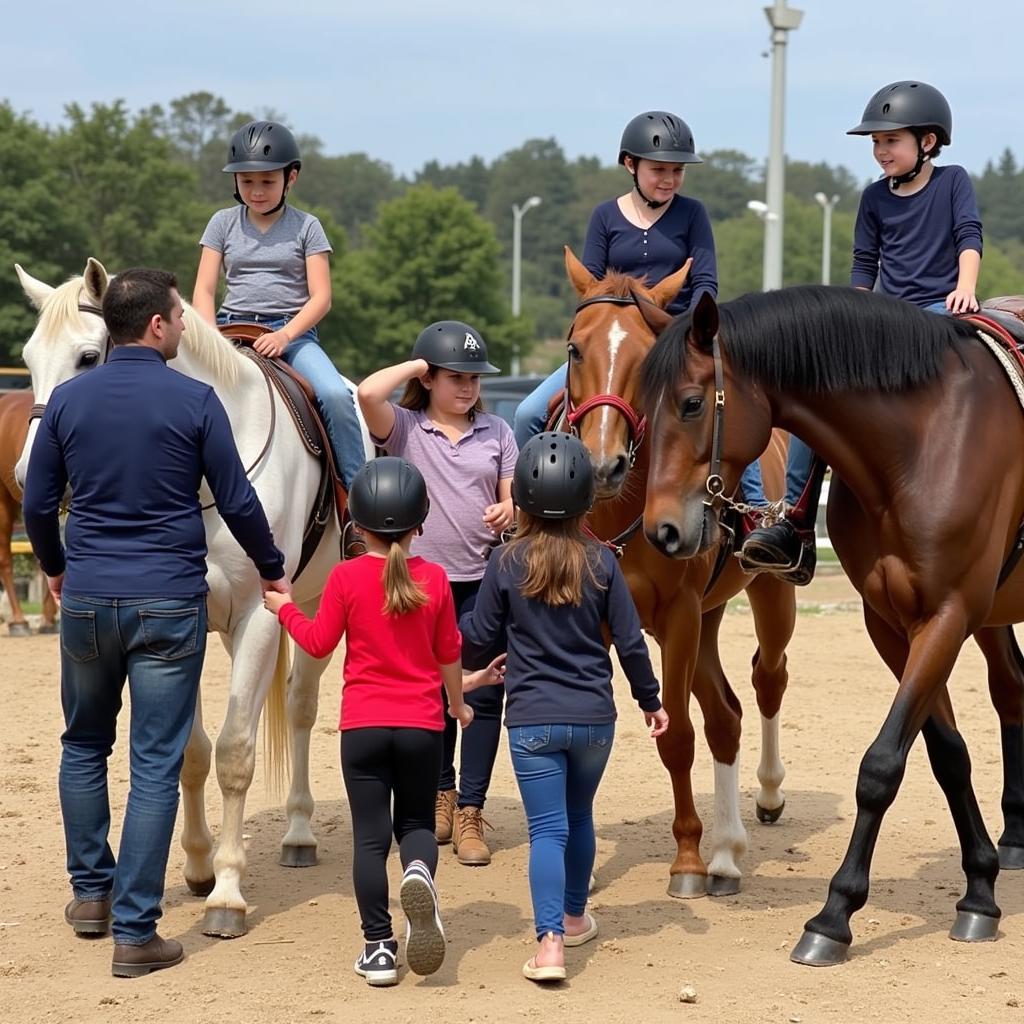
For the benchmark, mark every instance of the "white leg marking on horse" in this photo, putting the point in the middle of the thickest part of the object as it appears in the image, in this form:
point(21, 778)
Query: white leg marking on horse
point(771, 771)
point(729, 837)
point(196, 838)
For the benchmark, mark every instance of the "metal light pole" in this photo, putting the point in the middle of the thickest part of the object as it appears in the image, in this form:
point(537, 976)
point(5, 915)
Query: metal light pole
point(782, 19)
point(826, 205)
point(768, 216)
point(518, 212)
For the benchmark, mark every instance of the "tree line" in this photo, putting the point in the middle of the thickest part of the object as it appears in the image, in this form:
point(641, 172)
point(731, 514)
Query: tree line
point(138, 188)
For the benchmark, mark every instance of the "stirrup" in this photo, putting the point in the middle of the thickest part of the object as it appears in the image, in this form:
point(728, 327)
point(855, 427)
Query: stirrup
point(352, 545)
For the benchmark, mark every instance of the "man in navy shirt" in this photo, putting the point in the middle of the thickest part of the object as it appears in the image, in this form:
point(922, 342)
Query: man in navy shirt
point(133, 439)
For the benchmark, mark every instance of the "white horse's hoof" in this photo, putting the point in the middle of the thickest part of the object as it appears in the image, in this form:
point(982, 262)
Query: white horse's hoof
point(224, 923)
point(769, 815)
point(19, 629)
point(687, 887)
point(723, 885)
point(200, 888)
point(298, 857)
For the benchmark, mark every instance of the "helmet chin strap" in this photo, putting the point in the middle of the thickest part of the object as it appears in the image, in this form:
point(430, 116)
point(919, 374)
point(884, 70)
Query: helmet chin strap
point(902, 179)
point(654, 204)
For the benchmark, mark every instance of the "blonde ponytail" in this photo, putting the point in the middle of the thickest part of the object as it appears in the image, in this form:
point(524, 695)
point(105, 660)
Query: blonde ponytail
point(402, 593)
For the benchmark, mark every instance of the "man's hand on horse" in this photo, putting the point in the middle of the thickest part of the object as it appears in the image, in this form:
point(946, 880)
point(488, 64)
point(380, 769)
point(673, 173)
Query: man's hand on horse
point(271, 345)
point(54, 584)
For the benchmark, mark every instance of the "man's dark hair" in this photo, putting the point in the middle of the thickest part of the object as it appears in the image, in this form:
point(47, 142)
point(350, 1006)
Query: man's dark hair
point(133, 298)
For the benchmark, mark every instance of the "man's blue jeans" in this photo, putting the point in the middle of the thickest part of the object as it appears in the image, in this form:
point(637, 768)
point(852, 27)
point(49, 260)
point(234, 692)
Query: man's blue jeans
point(159, 645)
point(336, 401)
point(531, 416)
point(558, 768)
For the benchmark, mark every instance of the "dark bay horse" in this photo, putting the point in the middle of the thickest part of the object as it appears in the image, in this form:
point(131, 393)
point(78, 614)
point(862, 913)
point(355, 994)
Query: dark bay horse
point(681, 604)
point(14, 410)
point(925, 437)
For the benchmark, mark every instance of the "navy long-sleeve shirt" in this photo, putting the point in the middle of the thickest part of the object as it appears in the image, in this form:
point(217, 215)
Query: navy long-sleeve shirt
point(134, 439)
point(912, 244)
point(682, 231)
point(558, 669)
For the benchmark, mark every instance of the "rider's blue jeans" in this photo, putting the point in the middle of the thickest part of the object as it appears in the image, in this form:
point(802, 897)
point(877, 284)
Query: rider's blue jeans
point(337, 404)
point(798, 472)
point(159, 646)
point(532, 415)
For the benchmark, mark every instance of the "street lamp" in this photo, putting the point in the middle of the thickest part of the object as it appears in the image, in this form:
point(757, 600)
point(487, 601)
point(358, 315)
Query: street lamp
point(826, 205)
point(518, 212)
point(763, 213)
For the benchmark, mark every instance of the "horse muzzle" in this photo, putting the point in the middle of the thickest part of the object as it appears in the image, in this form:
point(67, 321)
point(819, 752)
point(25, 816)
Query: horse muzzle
point(684, 536)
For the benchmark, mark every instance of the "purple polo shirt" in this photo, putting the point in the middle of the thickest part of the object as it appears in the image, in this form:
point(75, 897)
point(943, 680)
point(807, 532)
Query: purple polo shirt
point(462, 480)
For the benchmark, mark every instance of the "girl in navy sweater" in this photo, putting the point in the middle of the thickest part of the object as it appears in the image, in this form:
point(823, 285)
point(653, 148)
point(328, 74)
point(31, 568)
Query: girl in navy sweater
point(549, 594)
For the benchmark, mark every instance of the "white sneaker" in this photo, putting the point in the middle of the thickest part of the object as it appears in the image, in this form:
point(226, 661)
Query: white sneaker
point(424, 938)
point(378, 963)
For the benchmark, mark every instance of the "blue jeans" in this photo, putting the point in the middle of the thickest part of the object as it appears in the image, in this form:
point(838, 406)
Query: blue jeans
point(798, 471)
point(532, 415)
point(159, 646)
point(336, 401)
point(558, 768)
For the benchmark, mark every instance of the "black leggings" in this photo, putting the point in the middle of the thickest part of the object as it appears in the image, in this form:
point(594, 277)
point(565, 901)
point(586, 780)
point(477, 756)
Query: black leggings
point(377, 764)
point(480, 740)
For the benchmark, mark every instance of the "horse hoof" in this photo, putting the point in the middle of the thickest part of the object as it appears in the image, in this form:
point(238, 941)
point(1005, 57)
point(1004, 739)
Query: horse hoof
point(1011, 858)
point(768, 816)
point(224, 923)
point(722, 885)
point(971, 927)
point(816, 950)
point(201, 888)
point(48, 629)
point(19, 629)
point(593, 883)
point(298, 857)
point(687, 887)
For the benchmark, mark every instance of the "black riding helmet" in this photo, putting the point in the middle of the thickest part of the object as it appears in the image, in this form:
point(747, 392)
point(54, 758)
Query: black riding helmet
point(553, 477)
point(916, 106)
point(657, 135)
point(388, 497)
point(453, 345)
point(263, 146)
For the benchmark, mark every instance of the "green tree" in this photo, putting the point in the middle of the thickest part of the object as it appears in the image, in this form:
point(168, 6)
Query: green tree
point(352, 187)
point(1000, 192)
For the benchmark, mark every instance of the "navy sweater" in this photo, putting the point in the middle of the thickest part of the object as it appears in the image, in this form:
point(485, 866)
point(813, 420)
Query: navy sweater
point(558, 669)
point(913, 243)
point(682, 231)
point(134, 439)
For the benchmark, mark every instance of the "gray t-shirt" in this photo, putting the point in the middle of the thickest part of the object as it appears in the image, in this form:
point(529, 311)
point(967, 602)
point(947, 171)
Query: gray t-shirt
point(265, 271)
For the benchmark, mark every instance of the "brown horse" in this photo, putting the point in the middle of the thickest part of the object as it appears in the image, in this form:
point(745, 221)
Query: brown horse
point(926, 442)
point(680, 604)
point(14, 409)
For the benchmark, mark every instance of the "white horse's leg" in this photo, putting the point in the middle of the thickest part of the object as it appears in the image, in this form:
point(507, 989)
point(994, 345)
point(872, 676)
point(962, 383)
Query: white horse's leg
point(728, 836)
point(770, 772)
point(299, 846)
point(255, 643)
point(196, 838)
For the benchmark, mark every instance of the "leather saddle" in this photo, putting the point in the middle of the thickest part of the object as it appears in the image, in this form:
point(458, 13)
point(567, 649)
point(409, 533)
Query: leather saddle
point(300, 401)
point(1003, 319)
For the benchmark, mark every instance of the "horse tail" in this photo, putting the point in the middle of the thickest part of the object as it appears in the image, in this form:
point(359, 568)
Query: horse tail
point(276, 731)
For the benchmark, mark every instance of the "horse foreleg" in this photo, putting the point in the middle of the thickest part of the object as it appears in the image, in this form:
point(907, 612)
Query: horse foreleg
point(49, 623)
point(299, 846)
point(196, 838)
point(929, 660)
point(254, 644)
point(773, 604)
point(17, 626)
point(1006, 687)
point(688, 873)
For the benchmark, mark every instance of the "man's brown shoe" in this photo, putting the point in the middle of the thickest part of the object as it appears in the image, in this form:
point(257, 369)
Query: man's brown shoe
point(155, 955)
point(444, 814)
point(88, 917)
point(468, 837)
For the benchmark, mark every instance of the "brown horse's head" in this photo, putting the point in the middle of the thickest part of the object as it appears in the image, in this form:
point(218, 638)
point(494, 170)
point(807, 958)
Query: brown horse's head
point(615, 325)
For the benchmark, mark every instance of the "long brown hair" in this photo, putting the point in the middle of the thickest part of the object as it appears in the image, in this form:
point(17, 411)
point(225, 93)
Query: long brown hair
point(402, 593)
point(417, 397)
point(560, 559)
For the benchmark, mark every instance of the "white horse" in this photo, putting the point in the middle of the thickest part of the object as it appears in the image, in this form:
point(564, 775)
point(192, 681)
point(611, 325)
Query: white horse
point(70, 337)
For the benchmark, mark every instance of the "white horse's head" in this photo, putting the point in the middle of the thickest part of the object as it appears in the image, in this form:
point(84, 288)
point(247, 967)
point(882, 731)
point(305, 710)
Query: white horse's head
point(70, 338)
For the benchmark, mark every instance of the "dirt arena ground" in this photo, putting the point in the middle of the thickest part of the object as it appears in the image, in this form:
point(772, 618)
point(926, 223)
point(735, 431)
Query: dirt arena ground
point(296, 962)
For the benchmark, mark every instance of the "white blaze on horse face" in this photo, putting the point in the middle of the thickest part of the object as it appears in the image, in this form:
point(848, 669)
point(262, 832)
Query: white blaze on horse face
point(609, 416)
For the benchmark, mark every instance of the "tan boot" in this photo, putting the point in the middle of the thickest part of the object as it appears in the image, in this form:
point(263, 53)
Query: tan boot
point(444, 814)
point(468, 837)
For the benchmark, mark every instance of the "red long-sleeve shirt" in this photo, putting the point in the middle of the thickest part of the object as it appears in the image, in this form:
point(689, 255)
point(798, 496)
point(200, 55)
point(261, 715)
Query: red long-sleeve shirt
point(391, 676)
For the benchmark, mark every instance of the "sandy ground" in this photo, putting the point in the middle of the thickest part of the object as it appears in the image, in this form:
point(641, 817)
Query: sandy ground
point(296, 962)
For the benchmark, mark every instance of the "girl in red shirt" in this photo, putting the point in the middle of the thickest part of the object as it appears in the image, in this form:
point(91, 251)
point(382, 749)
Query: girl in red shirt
point(402, 644)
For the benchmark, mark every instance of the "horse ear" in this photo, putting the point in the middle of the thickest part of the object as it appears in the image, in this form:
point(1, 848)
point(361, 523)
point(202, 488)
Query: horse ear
point(704, 325)
point(96, 280)
point(580, 277)
point(668, 288)
point(654, 316)
point(37, 292)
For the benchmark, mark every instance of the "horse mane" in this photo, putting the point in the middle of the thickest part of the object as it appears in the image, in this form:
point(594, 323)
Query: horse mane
point(817, 339)
point(617, 284)
point(61, 308)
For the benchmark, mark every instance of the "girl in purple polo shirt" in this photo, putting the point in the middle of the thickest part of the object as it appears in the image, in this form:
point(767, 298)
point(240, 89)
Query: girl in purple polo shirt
point(467, 458)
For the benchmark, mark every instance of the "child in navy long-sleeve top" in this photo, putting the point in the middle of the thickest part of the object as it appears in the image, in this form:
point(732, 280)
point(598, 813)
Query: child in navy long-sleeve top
point(550, 594)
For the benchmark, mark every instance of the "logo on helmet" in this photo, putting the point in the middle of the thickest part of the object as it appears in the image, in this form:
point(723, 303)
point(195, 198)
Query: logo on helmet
point(471, 343)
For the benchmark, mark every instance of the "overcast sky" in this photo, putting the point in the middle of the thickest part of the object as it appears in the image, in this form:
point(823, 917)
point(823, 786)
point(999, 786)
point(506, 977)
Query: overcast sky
point(408, 81)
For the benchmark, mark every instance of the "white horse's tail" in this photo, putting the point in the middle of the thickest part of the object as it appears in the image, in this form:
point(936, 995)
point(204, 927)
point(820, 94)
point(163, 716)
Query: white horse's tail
point(276, 733)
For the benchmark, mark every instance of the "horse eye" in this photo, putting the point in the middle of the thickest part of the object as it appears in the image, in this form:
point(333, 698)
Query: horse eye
point(574, 352)
point(692, 407)
point(88, 359)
